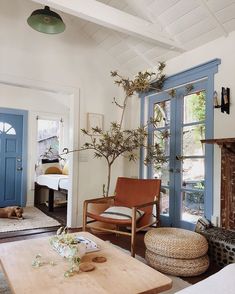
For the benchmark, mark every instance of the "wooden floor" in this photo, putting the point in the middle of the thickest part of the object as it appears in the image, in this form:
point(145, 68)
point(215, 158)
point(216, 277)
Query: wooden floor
point(121, 241)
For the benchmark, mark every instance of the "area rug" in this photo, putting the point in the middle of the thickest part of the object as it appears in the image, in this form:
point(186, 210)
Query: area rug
point(33, 219)
point(4, 289)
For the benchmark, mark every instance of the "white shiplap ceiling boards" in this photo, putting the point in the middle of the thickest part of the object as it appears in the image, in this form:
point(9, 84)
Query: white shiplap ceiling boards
point(139, 33)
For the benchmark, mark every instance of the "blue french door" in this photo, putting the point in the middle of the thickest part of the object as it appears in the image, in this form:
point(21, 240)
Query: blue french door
point(11, 154)
point(183, 120)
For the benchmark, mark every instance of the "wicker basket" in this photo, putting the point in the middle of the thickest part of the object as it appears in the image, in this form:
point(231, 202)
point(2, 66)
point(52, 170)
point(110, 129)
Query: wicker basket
point(176, 266)
point(176, 243)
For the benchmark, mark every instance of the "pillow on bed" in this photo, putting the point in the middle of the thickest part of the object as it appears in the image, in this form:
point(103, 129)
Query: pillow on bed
point(53, 170)
point(65, 170)
point(49, 168)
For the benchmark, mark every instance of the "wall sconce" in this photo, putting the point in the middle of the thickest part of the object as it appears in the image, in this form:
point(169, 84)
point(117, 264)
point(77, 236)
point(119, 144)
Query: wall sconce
point(225, 100)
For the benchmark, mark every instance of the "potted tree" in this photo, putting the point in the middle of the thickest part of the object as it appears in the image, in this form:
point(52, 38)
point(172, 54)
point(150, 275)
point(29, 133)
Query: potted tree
point(117, 141)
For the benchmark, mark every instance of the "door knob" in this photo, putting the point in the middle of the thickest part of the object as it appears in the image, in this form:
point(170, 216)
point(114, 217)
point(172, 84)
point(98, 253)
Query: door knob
point(179, 157)
point(19, 168)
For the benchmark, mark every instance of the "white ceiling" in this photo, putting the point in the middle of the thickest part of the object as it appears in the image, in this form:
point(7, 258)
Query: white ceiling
point(185, 23)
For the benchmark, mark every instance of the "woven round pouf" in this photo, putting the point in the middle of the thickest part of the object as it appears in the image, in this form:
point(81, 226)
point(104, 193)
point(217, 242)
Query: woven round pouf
point(176, 251)
point(177, 266)
point(176, 243)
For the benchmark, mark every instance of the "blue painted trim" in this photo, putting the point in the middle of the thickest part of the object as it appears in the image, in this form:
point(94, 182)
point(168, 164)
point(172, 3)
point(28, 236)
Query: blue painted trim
point(209, 148)
point(142, 111)
point(194, 123)
point(24, 114)
point(172, 160)
point(204, 72)
point(187, 225)
point(150, 140)
point(195, 73)
point(165, 221)
point(178, 163)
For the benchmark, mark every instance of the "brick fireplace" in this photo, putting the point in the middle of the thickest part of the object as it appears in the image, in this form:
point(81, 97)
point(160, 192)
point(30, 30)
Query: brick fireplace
point(227, 195)
point(222, 240)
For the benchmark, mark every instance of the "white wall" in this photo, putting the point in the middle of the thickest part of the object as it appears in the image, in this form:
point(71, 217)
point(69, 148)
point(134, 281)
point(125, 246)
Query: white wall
point(69, 60)
point(222, 48)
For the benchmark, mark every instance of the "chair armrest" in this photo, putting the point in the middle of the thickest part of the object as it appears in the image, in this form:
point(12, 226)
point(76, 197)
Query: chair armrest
point(146, 204)
point(99, 200)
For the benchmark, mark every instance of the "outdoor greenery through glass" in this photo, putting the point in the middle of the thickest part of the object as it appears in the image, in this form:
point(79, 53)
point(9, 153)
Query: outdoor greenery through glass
point(193, 163)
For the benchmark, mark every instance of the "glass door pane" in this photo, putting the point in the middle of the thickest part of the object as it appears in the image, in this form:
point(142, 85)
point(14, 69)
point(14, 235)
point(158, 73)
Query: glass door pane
point(161, 135)
point(180, 126)
point(192, 157)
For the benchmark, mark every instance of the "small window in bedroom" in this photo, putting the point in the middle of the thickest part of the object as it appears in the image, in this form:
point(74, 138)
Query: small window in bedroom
point(48, 139)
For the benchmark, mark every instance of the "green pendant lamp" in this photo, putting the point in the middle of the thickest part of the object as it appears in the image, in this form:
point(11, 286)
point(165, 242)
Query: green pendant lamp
point(46, 21)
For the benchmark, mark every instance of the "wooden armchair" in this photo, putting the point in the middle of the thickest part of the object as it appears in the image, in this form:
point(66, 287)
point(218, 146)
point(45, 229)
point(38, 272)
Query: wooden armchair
point(136, 194)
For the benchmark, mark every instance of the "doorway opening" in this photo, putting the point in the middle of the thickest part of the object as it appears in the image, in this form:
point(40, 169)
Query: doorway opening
point(51, 184)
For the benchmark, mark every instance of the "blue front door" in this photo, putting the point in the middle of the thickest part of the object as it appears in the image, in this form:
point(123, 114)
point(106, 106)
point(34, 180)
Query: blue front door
point(11, 134)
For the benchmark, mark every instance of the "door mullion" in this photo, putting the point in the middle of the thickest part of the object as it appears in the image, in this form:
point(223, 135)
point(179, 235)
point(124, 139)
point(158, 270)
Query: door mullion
point(172, 161)
point(150, 138)
point(178, 152)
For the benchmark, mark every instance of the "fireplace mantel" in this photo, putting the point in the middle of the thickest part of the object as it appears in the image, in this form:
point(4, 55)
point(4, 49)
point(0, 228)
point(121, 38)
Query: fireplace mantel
point(223, 141)
point(228, 143)
point(227, 195)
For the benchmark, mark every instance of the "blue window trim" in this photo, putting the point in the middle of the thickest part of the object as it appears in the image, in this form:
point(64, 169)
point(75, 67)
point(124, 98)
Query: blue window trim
point(24, 114)
point(205, 71)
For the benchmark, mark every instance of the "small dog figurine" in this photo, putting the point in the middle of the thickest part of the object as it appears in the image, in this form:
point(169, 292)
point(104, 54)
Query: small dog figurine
point(11, 212)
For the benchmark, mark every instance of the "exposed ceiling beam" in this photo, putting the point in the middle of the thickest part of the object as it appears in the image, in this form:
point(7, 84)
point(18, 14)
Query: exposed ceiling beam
point(213, 17)
point(107, 16)
point(144, 12)
point(137, 52)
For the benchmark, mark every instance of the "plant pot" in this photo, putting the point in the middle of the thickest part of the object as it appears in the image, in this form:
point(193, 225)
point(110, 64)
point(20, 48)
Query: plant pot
point(98, 208)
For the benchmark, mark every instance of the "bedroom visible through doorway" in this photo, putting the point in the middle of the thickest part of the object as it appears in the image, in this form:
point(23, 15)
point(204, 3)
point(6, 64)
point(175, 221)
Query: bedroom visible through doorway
point(51, 185)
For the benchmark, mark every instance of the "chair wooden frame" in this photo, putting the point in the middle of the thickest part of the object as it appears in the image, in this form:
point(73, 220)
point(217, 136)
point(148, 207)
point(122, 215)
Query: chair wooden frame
point(134, 228)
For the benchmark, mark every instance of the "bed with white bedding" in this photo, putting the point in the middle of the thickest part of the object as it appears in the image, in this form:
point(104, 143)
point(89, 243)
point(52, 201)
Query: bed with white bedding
point(54, 182)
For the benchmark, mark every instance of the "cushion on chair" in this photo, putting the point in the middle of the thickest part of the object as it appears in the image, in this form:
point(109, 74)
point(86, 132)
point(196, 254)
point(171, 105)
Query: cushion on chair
point(121, 213)
point(130, 192)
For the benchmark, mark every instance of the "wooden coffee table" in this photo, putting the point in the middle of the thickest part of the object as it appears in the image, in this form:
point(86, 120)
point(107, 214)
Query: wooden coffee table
point(119, 274)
